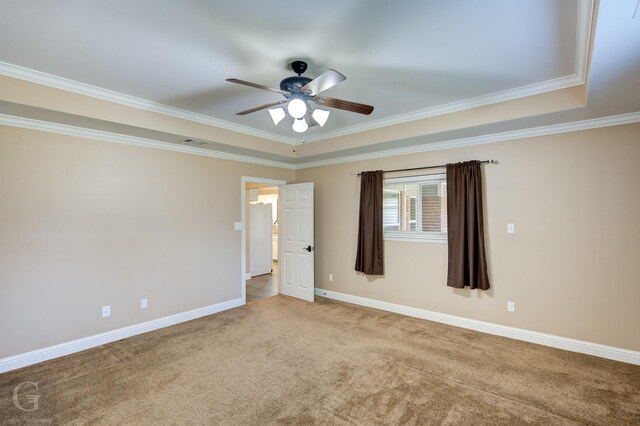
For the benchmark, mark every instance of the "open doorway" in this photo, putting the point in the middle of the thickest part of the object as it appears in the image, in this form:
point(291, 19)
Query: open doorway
point(260, 238)
point(262, 242)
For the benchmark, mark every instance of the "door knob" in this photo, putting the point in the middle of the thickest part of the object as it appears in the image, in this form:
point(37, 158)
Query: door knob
point(309, 248)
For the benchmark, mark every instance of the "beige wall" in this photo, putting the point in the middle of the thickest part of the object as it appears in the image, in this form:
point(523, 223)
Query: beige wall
point(85, 223)
point(573, 265)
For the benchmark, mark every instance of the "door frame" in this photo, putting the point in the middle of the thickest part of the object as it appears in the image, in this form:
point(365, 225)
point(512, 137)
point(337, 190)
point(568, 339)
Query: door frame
point(243, 203)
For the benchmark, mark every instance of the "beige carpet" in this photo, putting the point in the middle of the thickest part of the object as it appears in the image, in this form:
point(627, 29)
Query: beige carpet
point(285, 361)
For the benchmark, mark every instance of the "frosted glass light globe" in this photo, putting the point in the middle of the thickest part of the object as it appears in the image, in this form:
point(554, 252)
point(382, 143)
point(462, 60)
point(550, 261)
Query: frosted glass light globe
point(297, 108)
point(277, 114)
point(320, 116)
point(300, 125)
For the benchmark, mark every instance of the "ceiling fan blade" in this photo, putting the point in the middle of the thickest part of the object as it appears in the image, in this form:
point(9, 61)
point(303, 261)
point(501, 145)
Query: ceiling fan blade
point(265, 106)
point(325, 81)
point(345, 105)
point(257, 86)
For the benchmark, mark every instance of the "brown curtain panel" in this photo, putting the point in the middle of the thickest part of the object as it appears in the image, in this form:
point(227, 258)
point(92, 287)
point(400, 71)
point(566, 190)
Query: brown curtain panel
point(370, 253)
point(465, 222)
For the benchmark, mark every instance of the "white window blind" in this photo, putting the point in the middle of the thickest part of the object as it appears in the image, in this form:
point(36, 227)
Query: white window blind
point(391, 210)
point(415, 208)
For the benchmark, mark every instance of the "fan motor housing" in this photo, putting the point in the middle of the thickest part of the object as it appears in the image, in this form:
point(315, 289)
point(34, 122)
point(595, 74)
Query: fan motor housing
point(294, 84)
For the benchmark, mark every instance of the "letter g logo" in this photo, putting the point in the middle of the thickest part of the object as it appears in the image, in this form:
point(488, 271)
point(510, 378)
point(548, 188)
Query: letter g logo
point(31, 399)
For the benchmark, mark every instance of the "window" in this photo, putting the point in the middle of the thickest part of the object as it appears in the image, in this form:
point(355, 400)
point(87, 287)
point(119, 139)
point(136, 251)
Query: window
point(415, 208)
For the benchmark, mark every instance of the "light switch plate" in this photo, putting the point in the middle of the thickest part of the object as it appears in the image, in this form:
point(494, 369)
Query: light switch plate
point(511, 228)
point(237, 226)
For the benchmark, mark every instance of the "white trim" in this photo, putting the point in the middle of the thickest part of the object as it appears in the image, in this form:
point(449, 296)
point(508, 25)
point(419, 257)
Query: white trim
point(575, 126)
point(594, 123)
point(415, 237)
point(243, 245)
point(583, 35)
point(50, 80)
point(45, 126)
point(56, 351)
point(595, 349)
point(465, 104)
point(418, 178)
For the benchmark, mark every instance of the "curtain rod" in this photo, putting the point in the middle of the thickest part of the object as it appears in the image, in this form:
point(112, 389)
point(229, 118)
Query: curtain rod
point(428, 167)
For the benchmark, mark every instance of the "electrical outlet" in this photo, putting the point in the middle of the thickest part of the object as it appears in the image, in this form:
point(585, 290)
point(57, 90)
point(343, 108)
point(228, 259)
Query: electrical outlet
point(330, 278)
point(511, 306)
point(106, 311)
point(143, 304)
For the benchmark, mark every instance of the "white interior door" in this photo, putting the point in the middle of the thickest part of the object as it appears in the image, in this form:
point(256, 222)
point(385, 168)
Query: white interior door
point(260, 240)
point(296, 240)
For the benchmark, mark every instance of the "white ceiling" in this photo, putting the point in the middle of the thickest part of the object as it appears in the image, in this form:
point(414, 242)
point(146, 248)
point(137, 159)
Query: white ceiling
point(405, 57)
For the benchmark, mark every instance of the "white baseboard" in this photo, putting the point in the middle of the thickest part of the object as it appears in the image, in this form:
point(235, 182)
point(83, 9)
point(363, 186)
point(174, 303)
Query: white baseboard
point(44, 354)
point(603, 351)
point(247, 276)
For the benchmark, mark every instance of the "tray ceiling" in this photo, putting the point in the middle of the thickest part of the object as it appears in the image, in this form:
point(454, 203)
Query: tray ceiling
point(409, 59)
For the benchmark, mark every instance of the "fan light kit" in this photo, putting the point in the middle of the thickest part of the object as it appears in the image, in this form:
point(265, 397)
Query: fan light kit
point(299, 125)
point(277, 114)
point(300, 92)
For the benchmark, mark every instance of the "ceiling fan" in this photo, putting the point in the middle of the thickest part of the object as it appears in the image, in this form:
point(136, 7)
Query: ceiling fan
point(300, 93)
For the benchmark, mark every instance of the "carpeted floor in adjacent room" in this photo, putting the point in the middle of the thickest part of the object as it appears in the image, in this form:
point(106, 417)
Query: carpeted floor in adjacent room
point(285, 361)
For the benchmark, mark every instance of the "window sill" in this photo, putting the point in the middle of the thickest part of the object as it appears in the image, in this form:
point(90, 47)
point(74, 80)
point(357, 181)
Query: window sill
point(416, 238)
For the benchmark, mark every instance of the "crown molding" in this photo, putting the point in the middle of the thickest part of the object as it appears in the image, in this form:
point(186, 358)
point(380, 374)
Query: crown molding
point(583, 35)
point(479, 101)
point(28, 123)
point(615, 120)
point(50, 80)
point(21, 73)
